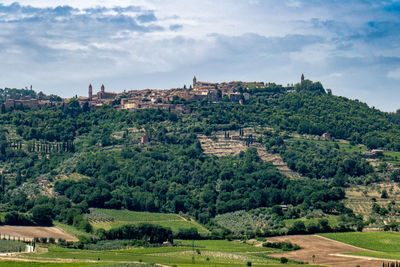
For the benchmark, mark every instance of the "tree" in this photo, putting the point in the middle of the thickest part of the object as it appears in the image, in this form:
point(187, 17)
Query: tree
point(42, 214)
point(384, 194)
point(298, 227)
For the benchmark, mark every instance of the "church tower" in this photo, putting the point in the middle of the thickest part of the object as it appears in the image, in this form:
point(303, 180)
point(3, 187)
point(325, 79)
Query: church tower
point(90, 91)
point(102, 88)
point(302, 77)
point(194, 82)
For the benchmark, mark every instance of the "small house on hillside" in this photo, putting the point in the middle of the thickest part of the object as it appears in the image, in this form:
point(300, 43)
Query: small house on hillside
point(326, 136)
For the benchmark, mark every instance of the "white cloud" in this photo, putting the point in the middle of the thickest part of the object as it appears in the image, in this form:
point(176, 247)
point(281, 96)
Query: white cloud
point(394, 74)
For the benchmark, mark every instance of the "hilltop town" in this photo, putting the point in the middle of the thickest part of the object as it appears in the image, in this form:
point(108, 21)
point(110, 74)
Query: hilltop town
point(174, 99)
point(234, 91)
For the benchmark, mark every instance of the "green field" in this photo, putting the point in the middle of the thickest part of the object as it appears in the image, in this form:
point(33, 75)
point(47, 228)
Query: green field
point(49, 264)
point(378, 241)
point(71, 230)
point(200, 252)
point(386, 245)
point(123, 217)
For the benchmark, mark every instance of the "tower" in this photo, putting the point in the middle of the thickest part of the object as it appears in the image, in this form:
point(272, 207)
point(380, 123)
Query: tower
point(90, 91)
point(302, 77)
point(102, 88)
point(194, 82)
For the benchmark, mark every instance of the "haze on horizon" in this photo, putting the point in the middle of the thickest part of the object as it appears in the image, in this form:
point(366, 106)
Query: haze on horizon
point(60, 47)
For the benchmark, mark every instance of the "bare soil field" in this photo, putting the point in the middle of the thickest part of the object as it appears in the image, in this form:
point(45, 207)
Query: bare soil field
point(326, 251)
point(30, 232)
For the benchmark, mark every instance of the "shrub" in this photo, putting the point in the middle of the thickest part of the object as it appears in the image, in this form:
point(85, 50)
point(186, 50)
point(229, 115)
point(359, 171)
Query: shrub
point(285, 245)
point(298, 227)
point(284, 260)
point(191, 233)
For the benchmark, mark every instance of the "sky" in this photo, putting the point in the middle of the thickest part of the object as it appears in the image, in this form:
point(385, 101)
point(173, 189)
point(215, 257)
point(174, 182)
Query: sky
point(60, 47)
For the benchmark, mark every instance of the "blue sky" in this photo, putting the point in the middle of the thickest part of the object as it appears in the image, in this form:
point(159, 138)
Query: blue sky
point(352, 47)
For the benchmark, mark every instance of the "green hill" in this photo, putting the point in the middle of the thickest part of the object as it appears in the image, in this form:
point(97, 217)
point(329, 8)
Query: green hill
point(42, 150)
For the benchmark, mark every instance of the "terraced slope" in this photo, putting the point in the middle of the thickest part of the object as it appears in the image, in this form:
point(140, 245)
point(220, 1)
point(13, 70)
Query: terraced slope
point(220, 146)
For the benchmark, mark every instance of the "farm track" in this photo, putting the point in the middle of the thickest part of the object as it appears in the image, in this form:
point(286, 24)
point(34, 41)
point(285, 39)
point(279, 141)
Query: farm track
point(327, 252)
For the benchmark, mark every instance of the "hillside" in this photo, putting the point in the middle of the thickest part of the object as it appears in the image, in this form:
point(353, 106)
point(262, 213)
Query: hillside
point(58, 161)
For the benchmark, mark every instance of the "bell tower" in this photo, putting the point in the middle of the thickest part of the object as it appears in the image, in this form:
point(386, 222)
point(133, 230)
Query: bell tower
point(194, 82)
point(102, 88)
point(90, 91)
point(302, 77)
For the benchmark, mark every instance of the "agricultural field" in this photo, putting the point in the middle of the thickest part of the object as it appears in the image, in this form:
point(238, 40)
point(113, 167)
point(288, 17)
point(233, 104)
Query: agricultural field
point(378, 241)
point(69, 229)
point(30, 232)
point(11, 246)
point(8, 263)
point(320, 250)
point(200, 253)
point(384, 245)
point(107, 219)
point(360, 198)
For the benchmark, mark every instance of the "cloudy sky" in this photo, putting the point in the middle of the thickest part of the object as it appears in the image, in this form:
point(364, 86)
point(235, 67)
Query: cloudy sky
point(351, 46)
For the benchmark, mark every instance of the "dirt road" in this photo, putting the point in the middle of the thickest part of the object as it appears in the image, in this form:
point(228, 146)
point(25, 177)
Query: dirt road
point(327, 252)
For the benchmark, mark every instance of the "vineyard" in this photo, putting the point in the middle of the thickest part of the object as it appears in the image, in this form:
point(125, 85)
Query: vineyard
point(96, 216)
point(107, 219)
point(11, 246)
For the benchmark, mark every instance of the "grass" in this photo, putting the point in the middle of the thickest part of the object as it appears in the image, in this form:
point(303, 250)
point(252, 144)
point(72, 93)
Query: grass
point(71, 230)
point(378, 241)
point(46, 264)
point(205, 253)
point(224, 245)
point(123, 217)
point(342, 146)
